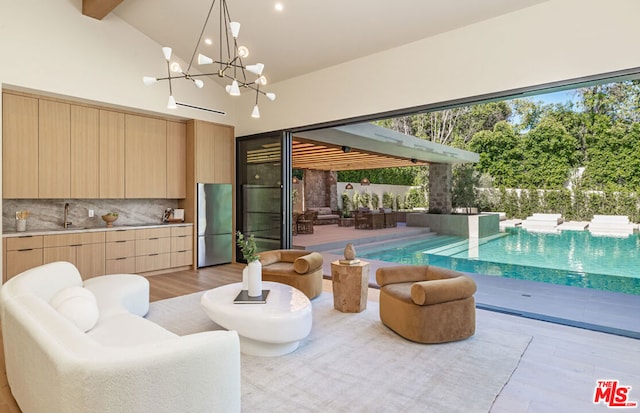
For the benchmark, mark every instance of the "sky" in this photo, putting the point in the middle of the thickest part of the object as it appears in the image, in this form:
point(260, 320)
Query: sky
point(563, 96)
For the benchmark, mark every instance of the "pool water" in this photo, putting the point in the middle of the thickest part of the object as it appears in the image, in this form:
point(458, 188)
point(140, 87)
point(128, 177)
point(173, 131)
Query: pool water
point(574, 258)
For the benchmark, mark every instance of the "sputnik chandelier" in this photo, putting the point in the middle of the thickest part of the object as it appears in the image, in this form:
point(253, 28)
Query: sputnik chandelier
point(229, 64)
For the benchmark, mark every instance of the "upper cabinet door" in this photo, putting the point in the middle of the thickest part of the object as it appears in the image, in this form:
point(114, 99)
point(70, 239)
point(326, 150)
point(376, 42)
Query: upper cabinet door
point(224, 159)
point(213, 153)
point(145, 157)
point(176, 160)
point(19, 147)
point(54, 172)
point(111, 154)
point(85, 152)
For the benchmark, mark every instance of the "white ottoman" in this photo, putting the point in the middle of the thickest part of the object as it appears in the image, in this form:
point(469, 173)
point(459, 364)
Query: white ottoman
point(271, 329)
point(120, 292)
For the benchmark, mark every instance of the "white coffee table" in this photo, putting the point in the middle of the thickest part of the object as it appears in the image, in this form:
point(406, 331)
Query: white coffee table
point(271, 329)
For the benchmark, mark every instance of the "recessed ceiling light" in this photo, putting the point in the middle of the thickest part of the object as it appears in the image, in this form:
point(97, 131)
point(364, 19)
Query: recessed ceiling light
point(279, 6)
point(208, 41)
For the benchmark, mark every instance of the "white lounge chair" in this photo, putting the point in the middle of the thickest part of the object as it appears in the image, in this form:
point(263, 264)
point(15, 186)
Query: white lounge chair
point(612, 225)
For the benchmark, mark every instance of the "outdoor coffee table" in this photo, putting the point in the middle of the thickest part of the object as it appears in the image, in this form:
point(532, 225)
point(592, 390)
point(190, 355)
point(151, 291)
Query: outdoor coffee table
point(274, 328)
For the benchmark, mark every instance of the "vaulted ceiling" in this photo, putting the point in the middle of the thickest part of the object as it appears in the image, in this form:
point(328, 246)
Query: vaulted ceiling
point(306, 35)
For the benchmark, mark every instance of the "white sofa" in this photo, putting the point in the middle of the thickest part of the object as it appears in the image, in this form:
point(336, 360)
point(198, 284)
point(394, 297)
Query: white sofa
point(124, 363)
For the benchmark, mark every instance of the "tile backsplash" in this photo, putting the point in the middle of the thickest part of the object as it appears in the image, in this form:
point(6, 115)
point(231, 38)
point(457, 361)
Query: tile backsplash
point(48, 214)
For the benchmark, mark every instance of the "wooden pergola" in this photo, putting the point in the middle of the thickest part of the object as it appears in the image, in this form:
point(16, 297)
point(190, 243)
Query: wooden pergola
point(308, 154)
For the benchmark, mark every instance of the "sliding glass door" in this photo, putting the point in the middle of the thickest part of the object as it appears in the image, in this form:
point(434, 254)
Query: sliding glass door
point(264, 187)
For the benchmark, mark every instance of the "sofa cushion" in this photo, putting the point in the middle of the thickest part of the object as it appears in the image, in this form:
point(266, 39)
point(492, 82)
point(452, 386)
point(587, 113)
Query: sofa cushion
point(126, 329)
point(78, 305)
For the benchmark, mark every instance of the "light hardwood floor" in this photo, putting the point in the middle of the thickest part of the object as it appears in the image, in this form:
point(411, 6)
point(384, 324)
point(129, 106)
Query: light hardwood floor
point(557, 372)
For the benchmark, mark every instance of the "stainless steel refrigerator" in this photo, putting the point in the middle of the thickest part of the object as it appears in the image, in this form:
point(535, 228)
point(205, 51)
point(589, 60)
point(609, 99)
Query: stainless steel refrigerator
point(215, 237)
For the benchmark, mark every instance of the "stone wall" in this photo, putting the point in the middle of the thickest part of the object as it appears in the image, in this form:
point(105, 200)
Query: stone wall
point(440, 187)
point(320, 189)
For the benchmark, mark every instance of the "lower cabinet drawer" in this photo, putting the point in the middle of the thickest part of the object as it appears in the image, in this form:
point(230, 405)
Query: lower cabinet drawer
point(121, 266)
point(19, 261)
point(120, 249)
point(153, 262)
point(181, 258)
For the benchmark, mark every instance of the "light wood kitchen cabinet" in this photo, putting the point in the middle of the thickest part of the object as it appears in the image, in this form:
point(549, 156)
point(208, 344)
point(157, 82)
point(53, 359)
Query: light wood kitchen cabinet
point(181, 246)
point(85, 250)
point(19, 147)
point(145, 157)
point(111, 154)
point(54, 143)
point(21, 254)
point(85, 152)
point(120, 252)
point(176, 160)
point(224, 155)
point(153, 249)
point(213, 152)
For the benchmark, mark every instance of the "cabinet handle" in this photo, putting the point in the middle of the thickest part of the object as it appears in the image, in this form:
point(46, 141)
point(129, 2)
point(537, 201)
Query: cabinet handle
point(25, 236)
point(121, 258)
point(25, 249)
point(153, 255)
point(75, 245)
point(121, 241)
point(154, 238)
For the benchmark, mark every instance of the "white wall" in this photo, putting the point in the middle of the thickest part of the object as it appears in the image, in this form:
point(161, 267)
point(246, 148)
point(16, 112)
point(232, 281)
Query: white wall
point(553, 41)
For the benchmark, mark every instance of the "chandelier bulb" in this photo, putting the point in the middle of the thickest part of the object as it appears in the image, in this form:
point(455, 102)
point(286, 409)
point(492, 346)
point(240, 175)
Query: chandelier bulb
point(256, 69)
point(172, 103)
point(204, 60)
point(175, 67)
point(271, 96)
point(166, 51)
point(234, 89)
point(235, 29)
point(261, 81)
point(199, 83)
point(255, 113)
point(148, 80)
point(243, 51)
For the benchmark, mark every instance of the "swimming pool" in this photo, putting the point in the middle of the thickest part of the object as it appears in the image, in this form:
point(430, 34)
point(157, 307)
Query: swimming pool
point(574, 258)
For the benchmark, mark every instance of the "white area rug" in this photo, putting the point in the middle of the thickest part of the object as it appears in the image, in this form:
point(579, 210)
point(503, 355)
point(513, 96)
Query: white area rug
point(353, 363)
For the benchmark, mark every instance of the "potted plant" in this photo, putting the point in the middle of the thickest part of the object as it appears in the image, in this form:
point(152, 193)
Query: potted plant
point(252, 274)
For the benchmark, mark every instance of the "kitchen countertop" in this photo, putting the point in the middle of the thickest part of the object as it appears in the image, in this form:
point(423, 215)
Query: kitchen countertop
point(72, 230)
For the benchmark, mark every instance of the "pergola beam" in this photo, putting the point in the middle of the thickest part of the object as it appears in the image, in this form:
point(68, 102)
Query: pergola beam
point(98, 9)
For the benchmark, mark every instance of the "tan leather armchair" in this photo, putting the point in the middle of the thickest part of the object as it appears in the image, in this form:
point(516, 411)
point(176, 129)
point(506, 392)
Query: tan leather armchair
point(298, 268)
point(427, 304)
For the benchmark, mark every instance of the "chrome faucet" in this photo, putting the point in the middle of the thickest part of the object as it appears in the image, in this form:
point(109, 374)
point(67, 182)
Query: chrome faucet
point(66, 216)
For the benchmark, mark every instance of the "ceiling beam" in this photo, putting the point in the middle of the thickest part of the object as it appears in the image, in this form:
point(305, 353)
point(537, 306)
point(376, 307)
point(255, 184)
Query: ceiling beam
point(98, 9)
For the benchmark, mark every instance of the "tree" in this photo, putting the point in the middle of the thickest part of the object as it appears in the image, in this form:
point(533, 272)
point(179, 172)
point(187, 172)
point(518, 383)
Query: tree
point(464, 182)
point(549, 152)
point(500, 154)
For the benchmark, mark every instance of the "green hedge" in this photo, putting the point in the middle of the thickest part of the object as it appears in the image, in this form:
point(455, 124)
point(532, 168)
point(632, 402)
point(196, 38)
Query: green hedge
point(574, 205)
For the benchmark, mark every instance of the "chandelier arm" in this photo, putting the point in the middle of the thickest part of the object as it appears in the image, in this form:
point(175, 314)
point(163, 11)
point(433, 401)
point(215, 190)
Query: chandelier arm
point(169, 74)
point(195, 49)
